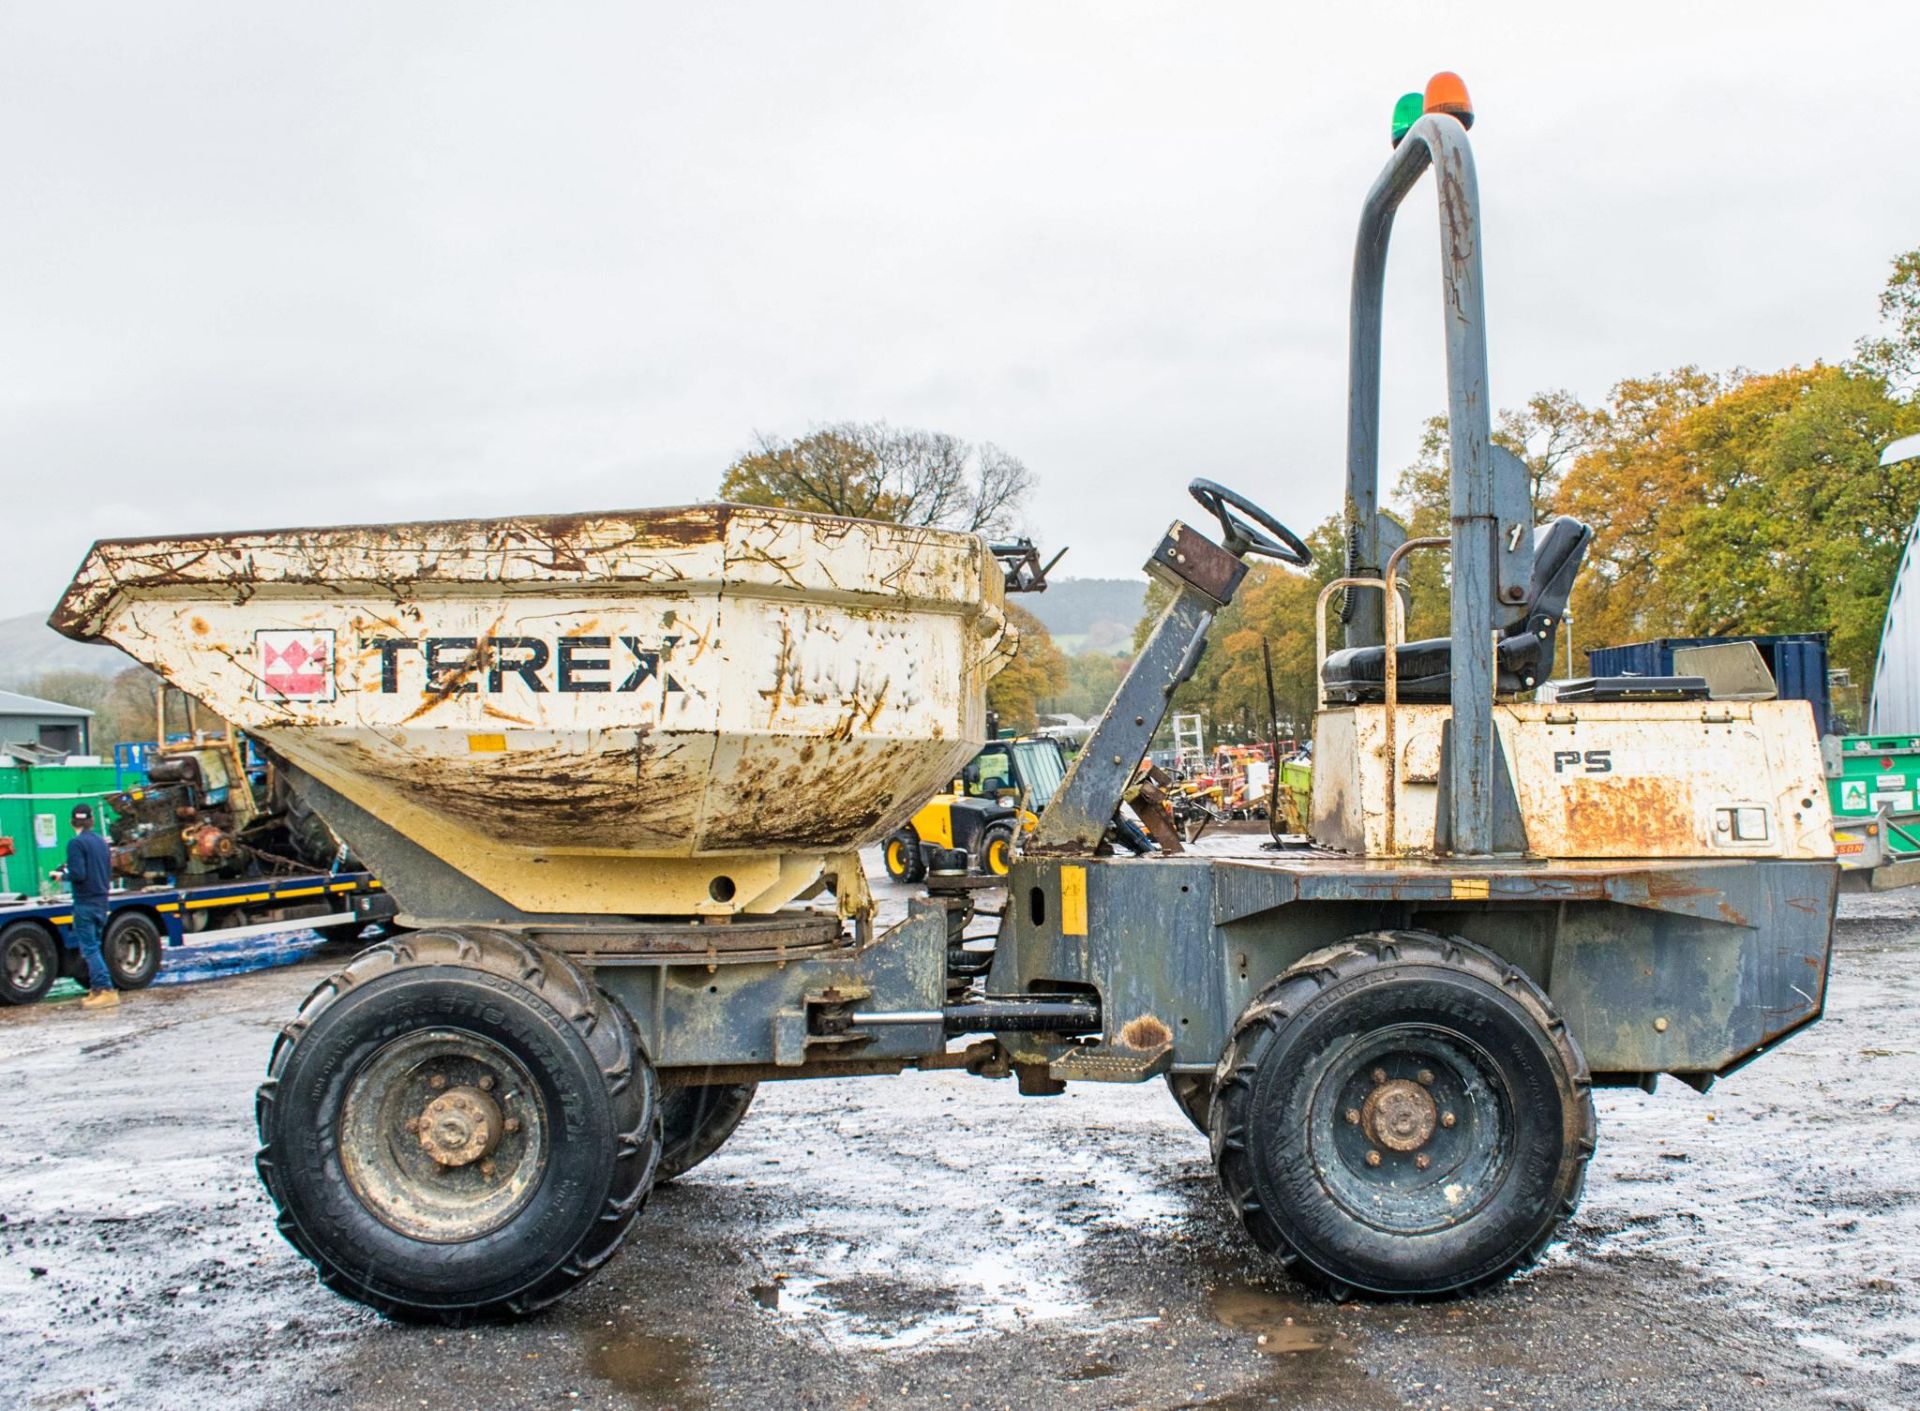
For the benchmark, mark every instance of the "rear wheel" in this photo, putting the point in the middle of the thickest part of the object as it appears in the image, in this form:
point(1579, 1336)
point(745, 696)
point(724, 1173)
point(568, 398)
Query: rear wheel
point(903, 857)
point(1402, 1115)
point(996, 849)
point(29, 962)
point(132, 949)
point(457, 1124)
point(694, 1121)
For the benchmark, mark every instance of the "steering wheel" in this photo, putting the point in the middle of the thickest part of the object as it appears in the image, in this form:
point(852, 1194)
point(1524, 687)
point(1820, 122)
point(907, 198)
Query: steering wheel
point(1242, 538)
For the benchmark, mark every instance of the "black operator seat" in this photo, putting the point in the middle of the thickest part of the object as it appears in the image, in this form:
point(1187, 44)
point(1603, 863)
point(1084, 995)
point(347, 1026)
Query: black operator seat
point(1526, 648)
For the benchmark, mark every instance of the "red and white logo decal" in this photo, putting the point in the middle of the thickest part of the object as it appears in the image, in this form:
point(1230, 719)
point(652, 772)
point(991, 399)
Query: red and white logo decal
point(295, 666)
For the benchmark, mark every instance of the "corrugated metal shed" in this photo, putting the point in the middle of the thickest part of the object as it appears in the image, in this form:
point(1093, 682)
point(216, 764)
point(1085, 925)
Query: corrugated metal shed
point(28, 720)
point(1896, 673)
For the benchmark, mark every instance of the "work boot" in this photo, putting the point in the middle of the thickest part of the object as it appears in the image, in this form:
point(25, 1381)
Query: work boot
point(100, 999)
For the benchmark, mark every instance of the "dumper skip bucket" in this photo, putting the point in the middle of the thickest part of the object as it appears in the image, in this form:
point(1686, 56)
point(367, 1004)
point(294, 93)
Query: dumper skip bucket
point(653, 713)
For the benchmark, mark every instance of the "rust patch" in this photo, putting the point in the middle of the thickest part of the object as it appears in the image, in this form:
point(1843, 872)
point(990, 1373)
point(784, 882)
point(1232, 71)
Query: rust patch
point(199, 625)
point(556, 798)
point(1145, 1032)
point(1644, 816)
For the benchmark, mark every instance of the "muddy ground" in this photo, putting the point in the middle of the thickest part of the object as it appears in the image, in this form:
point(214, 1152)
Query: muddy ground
point(937, 1241)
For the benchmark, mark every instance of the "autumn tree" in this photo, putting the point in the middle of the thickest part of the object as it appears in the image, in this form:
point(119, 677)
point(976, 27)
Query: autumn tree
point(1091, 680)
point(870, 470)
point(1037, 672)
point(1753, 503)
point(1894, 352)
point(1548, 433)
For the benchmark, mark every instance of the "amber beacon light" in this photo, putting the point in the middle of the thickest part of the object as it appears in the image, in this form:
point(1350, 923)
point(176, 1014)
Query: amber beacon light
point(1447, 93)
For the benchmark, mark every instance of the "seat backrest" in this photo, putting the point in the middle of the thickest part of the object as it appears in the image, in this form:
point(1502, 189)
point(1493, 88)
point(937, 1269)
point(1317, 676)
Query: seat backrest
point(1559, 548)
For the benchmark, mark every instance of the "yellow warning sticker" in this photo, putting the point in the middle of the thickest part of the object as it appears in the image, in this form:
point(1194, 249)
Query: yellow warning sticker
point(1470, 889)
point(486, 744)
point(1073, 901)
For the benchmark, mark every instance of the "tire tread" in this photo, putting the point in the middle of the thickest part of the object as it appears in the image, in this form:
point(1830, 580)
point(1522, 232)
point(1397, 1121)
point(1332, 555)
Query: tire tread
point(594, 1015)
point(1259, 1027)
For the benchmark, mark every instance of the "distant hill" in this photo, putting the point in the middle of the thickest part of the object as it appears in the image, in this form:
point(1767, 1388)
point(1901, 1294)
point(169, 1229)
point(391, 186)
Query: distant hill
point(29, 649)
point(1090, 614)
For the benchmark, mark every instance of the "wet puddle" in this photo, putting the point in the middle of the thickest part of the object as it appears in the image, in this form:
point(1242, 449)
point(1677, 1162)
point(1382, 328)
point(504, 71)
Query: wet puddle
point(1274, 1319)
point(660, 1369)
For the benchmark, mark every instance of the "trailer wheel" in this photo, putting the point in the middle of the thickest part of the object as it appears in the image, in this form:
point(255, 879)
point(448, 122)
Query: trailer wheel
point(905, 862)
point(457, 1125)
point(29, 962)
point(131, 946)
point(996, 849)
point(1193, 1092)
point(695, 1121)
point(1402, 1115)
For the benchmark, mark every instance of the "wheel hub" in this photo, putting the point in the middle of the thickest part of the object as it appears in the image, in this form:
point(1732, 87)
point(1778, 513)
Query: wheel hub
point(1399, 1116)
point(460, 1126)
point(444, 1135)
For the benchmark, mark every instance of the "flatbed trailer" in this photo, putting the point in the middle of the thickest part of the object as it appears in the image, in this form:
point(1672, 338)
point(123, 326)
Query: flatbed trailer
point(37, 949)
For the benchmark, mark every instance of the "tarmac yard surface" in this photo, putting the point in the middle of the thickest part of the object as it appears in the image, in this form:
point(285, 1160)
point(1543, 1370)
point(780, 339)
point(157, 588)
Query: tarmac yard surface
point(938, 1241)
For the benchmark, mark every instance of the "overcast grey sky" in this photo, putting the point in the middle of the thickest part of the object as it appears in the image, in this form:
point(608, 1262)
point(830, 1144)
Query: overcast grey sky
point(276, 265)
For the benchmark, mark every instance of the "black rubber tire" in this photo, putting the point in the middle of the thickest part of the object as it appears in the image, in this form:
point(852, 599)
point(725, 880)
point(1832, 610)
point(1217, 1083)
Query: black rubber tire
point(1279, 1079)
point(29, 962)
point(901, 855)
point(579, 1048)
point(996, 842)
point(131, 944)
point(695, 1121)
point(1193, 1094)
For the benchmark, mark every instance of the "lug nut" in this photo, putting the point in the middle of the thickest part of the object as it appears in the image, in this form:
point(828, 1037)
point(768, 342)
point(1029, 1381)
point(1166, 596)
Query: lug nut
point(1447, 1119)
point(1373, 1158)
point(1379, 1075)
point(486, 1168)
point(1353, 1115)
point(1423, 1161)
point(437, 1081)
point(512, 1124)
point(1426, 1077)
point(413, 1124)
point(486, 1083)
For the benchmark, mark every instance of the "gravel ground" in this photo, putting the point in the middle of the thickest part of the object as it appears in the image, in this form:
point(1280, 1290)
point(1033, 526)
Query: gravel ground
point(937, 1241)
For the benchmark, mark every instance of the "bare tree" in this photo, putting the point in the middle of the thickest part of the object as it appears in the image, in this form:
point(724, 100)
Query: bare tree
point(870, 470)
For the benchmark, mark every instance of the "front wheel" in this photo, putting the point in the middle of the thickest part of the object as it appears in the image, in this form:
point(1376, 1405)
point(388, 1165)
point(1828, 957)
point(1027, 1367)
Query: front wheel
point(457, 1124)
point(904, 860)
point(1402, 1115)
point(996, 849)
point(695, 1120)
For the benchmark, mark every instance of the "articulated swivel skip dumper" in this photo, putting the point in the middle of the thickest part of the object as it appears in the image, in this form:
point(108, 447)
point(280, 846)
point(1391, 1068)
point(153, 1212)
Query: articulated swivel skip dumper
point(615, 768)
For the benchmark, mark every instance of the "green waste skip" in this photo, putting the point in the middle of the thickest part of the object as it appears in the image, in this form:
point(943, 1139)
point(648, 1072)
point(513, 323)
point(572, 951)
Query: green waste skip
point(35, 802)
point(1875, 772)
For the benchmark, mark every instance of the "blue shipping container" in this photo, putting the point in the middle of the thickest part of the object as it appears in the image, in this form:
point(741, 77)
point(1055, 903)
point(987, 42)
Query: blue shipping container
point(1798, 661)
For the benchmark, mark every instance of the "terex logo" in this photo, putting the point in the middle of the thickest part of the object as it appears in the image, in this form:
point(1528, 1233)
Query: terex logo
point(463, 665)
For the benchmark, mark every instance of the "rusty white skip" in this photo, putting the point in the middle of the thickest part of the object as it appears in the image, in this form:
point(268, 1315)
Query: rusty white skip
point(543, 701)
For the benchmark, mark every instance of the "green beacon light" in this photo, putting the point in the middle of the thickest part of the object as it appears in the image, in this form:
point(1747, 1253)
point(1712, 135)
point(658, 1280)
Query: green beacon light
point(1406, 113)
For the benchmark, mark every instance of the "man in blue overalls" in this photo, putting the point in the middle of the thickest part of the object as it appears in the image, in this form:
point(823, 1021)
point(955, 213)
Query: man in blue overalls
point(89, 874)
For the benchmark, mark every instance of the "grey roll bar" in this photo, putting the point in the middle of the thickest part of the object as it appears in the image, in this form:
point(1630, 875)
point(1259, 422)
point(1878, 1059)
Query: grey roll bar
point(1479, 574)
